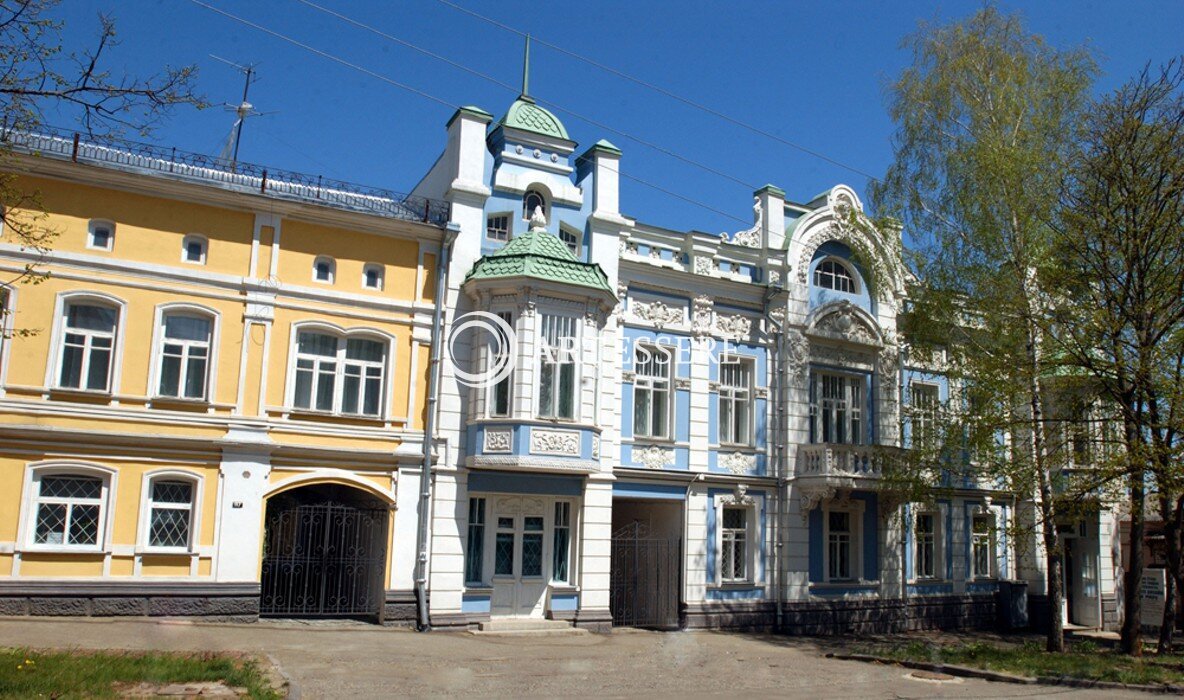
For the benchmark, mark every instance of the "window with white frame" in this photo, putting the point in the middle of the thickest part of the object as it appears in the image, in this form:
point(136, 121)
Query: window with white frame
point(925, 544)
point(924, 402)
point(837, 408)
point(497, 227)
point(534, 199)
point(170, 510)
point(982, 543)
point(373, 276)
point(339, 374)
point(561, 543)
point(88, 346)
point(185, 340)
point(193, 249)
point(651, 392)
point(832, 274)
point(557, 371)
point(498, 354)
point(324, 269)
point(735, 401)
point(571, 239)
point(475, 544)
point(733, 550)
point(68, 510)
point(840, 545)
point(100, 235)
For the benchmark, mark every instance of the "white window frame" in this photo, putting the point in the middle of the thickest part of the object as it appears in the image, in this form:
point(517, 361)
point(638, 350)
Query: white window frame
point(509, 232)
point(575, 244)
point(855, 510)
point(817, 275)
point(316, 263)
point(919, 415)
point(158, 341)
point(144, 529)
point(380, 277)
point(8, 294)
point(205, 248)
point(342, 335)
point(938, 536)
point(30, 502)
point(852, 411)
point(572, 512)
point(488, 362)
point(753, 544)
point(557, 357)
point(94, 224)
point(981, 513)
point(741, 398)
point(53, 374)
point(652, 383)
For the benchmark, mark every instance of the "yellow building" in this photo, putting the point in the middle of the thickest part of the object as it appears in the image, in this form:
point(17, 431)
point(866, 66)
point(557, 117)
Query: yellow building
point(223, 389)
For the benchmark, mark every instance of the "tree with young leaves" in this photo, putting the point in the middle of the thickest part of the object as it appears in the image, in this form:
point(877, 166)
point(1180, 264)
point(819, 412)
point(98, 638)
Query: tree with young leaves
point(1119, 267)
point(985, 116)
point(41, 81)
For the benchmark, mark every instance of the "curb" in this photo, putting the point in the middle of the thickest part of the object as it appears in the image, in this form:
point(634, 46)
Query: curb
point(999, 677)
point(293, 691)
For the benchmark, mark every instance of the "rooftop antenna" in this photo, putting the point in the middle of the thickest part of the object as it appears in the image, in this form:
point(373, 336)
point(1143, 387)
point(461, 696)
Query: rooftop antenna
point(242, 110)
point(526, 71)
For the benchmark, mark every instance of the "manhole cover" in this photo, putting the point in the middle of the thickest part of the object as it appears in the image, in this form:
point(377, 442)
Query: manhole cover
point(932, 677)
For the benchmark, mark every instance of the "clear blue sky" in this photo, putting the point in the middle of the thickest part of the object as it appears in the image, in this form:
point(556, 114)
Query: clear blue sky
point(811, 72)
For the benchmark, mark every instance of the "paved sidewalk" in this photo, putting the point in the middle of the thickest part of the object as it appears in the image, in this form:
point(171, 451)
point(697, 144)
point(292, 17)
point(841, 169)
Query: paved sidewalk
point(356, 660)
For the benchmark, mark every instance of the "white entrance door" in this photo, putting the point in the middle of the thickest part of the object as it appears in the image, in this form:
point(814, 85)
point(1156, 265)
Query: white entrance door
point(519, 565)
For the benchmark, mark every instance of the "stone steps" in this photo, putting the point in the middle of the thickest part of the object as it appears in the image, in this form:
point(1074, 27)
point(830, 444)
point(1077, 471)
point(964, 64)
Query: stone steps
point(528, 627)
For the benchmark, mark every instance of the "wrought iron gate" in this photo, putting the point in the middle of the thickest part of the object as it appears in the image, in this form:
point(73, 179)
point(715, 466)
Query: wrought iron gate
point(323, 560)
point(645, 578)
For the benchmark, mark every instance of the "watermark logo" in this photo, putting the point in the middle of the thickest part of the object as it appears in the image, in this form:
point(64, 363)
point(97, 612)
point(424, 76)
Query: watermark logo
point(497, 335)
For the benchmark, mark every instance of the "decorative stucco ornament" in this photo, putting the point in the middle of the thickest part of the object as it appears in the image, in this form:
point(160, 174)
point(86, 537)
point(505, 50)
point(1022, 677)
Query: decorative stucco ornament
point(497, 441)
point(701, 315)
point(797, 348)
point(733, 325)
point(538, 220)
point(653, 457)
point(560, 442)
point(657, 313)
point(705, 265)
point(737, 462)
point(749, 238)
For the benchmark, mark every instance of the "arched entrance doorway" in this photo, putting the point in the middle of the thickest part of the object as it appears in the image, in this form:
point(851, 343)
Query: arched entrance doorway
point(324, 553)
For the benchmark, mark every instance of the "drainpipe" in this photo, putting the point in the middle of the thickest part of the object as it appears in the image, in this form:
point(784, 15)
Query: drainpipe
point(429, 433)
point(778, 453)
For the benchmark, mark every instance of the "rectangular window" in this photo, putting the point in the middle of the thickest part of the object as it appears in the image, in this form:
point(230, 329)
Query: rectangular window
point(497, 227)
point(340, 375)
point(499, 355)
point(532, 546)
point(503, 551)
point(102, 235)
point(170, 513)
point(69, 510)
point(362, 388)
point(735, 402)
point(982, 556)
point(734, 545)
point(925, 534)
point(557, 375)
point(88, 342)
point(839, 537)
point(651, 392)
point(924, 402)
point(475, 551)
point(837, 408)
point(562, 543)
point(184, 356)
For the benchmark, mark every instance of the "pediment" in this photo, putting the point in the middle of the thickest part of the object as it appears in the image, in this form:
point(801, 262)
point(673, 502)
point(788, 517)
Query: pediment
point(843, 321)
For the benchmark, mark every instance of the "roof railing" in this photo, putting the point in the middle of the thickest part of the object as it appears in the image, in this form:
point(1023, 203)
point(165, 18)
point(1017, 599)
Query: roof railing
point(288, 185)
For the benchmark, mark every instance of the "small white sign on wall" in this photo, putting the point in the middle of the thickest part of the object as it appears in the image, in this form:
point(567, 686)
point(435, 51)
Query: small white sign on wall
point(1152, 594)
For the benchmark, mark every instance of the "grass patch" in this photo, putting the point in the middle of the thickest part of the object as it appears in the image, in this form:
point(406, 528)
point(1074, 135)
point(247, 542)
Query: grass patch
point(1081, 660)
point(86, 674)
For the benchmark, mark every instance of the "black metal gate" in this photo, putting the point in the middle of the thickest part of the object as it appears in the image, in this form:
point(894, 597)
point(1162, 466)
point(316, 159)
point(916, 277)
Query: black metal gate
point(646, 573)
point(323, 560)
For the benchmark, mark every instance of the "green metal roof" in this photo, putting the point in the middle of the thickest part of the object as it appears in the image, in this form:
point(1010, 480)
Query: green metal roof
point(524, 114)
point(540, 255)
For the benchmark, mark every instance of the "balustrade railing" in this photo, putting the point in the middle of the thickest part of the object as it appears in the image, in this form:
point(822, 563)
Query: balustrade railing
point(829, 459)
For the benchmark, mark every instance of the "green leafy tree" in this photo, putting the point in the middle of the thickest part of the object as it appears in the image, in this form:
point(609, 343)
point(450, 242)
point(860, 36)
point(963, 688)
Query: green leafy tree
point(40, 81)
point(984, 120)
point(1120, 274)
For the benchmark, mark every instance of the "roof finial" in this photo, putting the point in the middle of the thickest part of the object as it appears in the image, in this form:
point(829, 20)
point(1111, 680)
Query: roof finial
point(526, 70)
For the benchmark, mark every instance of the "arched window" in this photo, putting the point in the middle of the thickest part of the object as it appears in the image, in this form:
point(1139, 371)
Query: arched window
point(168, 511)
point(339, 374)
point(87, 345)
point(193, 249)
point(324, 269)
point(67, 507)
point(534, 199)
point(373, 276)
point(832, 274)
point(100, 235)
point(184, 355)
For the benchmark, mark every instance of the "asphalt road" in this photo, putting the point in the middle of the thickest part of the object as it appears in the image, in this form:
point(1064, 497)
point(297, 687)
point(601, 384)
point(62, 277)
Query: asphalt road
point(354, 660)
